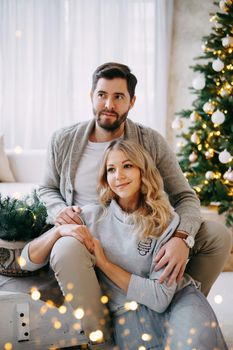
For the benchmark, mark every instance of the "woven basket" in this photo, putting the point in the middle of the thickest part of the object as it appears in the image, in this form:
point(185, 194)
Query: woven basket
point(9, 258)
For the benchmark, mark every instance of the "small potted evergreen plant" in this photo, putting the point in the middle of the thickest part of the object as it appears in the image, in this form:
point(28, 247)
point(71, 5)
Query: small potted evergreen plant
point(21, 220)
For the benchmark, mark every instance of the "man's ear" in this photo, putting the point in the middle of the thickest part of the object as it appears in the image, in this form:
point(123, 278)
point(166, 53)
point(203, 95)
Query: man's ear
point(91, 94)
point(132, 102)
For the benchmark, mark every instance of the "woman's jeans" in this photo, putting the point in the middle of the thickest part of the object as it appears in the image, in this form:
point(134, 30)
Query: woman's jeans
point(188, 323)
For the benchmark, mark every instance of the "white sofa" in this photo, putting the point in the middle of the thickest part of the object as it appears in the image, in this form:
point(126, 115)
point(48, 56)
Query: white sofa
point(28, 168)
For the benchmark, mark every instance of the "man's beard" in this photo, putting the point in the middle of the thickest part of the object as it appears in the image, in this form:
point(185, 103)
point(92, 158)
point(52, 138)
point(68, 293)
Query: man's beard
point(110, 126)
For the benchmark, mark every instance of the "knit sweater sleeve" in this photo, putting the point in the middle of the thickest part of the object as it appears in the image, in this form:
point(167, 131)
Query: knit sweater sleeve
point(182, 197)
point(149, 292)
point(27, 264)
point(49, 191)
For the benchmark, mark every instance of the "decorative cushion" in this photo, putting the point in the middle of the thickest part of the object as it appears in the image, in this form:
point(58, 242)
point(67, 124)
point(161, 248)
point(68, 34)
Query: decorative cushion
point(5, 171)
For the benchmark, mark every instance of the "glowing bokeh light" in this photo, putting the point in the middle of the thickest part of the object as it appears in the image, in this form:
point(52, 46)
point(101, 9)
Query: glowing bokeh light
point(121, 321)
point(21, 261)
point(57, 325)
point(132, 305)
point(35, 295)
point(104, 299)
point(218, 299)
point(146, 337)
point(79, 313)
point(96, 336)
point(70, 286)
point(77, 326)
point(18, 150)
point(69, 297)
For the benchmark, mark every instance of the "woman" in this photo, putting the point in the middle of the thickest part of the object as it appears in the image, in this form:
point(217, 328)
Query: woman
point(123, 234)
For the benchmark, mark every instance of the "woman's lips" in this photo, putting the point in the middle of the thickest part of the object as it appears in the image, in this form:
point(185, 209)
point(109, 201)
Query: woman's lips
point(122, 185)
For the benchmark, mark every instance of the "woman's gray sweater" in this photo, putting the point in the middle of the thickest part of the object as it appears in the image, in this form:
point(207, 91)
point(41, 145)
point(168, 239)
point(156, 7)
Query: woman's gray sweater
point(123, 247)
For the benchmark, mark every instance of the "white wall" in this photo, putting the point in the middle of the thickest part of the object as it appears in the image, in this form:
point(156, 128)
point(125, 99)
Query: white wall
point(190, 24)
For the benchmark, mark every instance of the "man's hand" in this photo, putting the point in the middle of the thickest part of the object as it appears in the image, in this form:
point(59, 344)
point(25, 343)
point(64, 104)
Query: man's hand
point(79, 232)
point(69, 215)
point(173, 256)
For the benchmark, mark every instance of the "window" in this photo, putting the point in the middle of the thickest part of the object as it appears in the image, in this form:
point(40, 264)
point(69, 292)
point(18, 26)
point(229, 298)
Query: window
point(49, 49)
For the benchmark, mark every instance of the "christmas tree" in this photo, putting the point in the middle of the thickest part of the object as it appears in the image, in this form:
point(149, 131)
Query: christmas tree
point(206, 154)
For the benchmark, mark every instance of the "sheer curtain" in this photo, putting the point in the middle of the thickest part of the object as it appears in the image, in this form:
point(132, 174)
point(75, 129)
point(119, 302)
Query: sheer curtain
point(49, 49)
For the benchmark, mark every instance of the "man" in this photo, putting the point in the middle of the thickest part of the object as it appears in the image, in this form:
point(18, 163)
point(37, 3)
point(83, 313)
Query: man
point(74, 157)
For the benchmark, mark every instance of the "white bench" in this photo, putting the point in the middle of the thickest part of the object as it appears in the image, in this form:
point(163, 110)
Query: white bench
point(33, 325)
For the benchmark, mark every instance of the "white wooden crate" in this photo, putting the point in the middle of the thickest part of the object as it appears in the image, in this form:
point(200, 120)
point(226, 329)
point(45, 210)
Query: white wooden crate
point(31, 325)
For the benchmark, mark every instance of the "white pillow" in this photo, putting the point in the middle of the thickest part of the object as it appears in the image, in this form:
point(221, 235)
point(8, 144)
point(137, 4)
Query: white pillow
point(5, 171)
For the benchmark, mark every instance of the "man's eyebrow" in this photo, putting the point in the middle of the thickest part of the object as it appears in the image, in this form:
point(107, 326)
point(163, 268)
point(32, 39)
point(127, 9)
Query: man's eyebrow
point(101, 91)
point(119, 93)
point(115, 93)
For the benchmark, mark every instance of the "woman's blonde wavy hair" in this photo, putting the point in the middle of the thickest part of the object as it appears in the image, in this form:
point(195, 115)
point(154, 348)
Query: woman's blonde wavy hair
point(154, 211)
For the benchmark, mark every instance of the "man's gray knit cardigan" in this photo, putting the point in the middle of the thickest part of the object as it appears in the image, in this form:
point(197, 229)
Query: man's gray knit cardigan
point(64, 154)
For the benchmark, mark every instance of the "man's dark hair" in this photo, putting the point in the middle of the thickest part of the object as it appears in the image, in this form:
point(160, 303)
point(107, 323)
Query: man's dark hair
point(113, 70)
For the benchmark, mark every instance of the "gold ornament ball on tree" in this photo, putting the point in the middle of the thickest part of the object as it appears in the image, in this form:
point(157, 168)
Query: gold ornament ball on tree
point(209, 154)
point(225, 90)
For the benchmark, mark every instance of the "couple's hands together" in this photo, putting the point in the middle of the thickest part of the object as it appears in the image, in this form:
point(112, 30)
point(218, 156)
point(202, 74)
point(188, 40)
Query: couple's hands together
point(79, 232)
point(83, 235)
point(69, 215)
point(173, 255)
point(70, 223)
